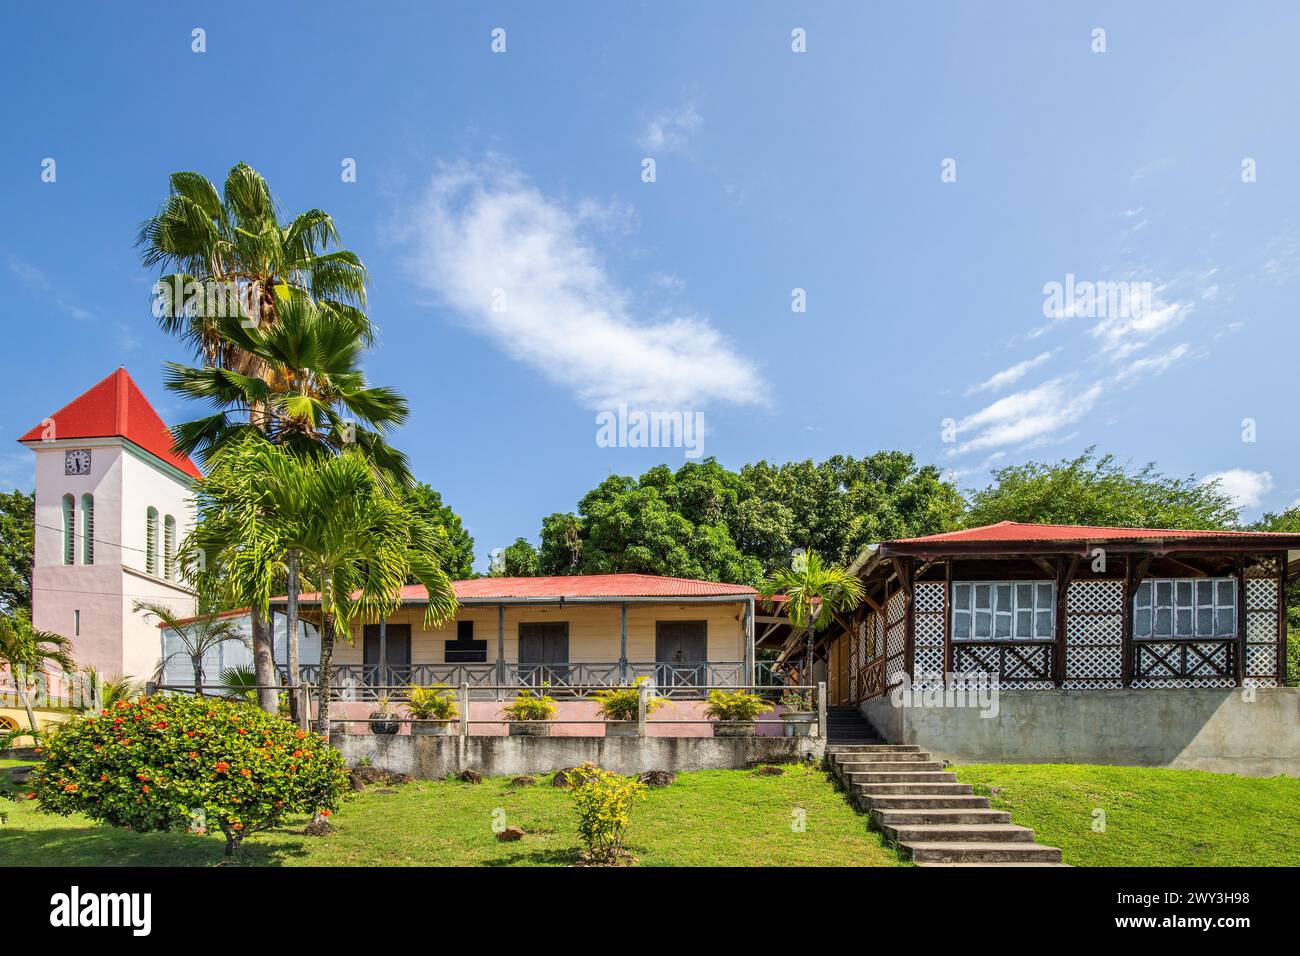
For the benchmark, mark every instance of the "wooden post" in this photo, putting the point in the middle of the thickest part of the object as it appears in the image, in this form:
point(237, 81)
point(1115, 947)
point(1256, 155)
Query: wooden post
point(641, 691)
point(1239, 646)
point(750, 653)
point(383, 654)
point(1064, 577)
point(464, 709)
point(501, 648)
point(622, 645)
point(906, 568)
point(1281, 619)
point(821, 709)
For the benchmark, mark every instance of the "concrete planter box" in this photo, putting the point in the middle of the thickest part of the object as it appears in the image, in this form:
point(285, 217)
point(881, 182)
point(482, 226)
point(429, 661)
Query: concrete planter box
point(735, 728)
point(438, 728)
point(530, 728)
point(799, 723)
point(620, 728)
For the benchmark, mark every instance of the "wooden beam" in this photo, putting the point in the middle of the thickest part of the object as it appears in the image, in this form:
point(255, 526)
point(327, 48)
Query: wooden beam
point(1065, 572)
point(1239, 657)
point(1050, 569)
point(1133, 574)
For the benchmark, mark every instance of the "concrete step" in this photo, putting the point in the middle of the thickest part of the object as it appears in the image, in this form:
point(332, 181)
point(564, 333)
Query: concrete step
point(896, 756)
point(957, 833)
point(901, 776)
point(912, 801)
point(1007, 863)
point(938, 816)
point(835, 748)
point(891, 768)
point(912, 788)
point(940, 851)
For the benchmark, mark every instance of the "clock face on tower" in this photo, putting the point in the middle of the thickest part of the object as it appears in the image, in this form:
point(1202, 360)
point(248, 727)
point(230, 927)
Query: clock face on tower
point(76, 461)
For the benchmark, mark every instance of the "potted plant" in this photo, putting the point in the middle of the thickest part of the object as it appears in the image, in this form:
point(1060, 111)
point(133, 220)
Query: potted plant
point(799, 715)
point(434, 710)
point(383, 720)
point(529, 714)
point(619, 706)
point(735, 713)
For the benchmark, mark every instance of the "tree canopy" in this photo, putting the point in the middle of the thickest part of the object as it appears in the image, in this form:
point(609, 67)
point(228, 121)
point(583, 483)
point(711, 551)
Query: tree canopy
point(17, 518)
point(1100, 491)
point(706, 521)
point(427, 503)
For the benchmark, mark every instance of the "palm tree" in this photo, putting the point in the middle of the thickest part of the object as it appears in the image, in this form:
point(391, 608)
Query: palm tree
point(235, 237)
point(26, 652)
point(105, 692)
point(198, 635)
point(311, 394)
point(815, 594)
point(356, 540)
point(216, 241)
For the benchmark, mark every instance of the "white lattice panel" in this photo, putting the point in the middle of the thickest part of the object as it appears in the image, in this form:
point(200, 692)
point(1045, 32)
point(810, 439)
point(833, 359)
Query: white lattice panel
point(1171, 682)
point(1095, 597)
point(1095, 663)
point(929, 597)
point(1259, 682)
point(1261, 627)
point(929, 661)
point(1261, 659)
point(1094, 629)
point(1261, 593)
point(929, 630)
point(893, 671)
point(895, 607)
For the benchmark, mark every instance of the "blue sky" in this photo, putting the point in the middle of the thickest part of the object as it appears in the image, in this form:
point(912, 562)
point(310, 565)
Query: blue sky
point(774, 171)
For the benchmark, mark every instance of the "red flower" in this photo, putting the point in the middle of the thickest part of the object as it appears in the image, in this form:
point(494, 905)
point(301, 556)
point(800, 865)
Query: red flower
point(246, 772)
point(103, 777)
point(70, 788)
point(326, 813)
point(222, 766)
point(236, 826)
point(145, 788)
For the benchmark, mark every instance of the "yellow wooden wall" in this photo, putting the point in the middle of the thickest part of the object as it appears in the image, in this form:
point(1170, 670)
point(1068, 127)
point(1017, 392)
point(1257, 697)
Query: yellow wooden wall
point(593, 631)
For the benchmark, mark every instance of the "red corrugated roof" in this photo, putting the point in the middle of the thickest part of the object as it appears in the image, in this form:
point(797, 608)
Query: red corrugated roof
point(573, 586)
point(115, 408)
point(1012, 531)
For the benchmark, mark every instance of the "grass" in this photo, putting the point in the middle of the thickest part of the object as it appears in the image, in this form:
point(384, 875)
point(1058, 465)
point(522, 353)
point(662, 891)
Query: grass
point(10, 762)
point(706, 818)
point(1152, 816)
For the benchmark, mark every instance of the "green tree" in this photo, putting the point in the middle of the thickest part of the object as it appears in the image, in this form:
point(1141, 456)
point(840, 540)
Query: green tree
point(17, 522)
point(281, 351)
point(815, 594)
point(517, 561)
point(704, 521)
point(357, 541)
point(26, 652)
point(1089, 490)
point(426, 502)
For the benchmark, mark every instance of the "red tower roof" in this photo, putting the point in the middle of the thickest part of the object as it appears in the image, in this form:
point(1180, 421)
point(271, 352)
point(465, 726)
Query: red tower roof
point(116, 408)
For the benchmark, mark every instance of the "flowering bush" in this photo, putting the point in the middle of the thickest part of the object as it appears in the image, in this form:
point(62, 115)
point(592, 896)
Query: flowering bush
point(176, 762)
point(604, 801)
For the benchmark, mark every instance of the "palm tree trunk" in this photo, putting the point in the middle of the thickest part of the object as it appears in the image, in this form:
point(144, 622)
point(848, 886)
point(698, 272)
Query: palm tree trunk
point(21, 684)
point(291, 615)
point(323, 691)
point(263, 662)
point(198, 677)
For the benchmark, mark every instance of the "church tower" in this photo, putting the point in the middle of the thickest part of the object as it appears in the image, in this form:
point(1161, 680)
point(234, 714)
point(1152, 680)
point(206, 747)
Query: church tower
point(113, 503)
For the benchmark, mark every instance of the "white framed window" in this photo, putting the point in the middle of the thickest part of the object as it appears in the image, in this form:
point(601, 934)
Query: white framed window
point(69, 530)
point(1185, 607)
point(1003, 610)
point(169, 547)
point(151, 541)
point(87, 529)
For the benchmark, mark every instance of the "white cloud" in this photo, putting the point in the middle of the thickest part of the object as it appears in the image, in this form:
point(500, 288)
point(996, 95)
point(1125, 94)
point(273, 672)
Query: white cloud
point(1246, 488)
point(39, 283)
point(1155, 364)
point(1027, 416)
point(483, 232)
point(1009, 376)
point(671, 130)
point(1122, 335)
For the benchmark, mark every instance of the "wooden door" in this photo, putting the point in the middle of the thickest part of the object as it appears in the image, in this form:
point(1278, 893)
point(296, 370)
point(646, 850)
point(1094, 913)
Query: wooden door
point(398, 646)
point(681, 652)
point(837, 677)
point(544, 653)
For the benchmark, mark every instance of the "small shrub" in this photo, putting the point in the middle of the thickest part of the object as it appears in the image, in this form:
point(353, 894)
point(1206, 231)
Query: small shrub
point(433, 703)
point(799, 701)
point(622, 703)
point(166, 763)
point(735, 705)
point(530, 706)
point(604, 803)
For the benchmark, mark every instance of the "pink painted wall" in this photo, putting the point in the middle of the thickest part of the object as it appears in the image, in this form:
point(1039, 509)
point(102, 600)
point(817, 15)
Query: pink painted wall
point(658, 724)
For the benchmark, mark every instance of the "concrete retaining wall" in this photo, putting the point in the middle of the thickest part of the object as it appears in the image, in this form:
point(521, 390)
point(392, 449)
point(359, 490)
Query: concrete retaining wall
point(430, 758)
point(1225, 731)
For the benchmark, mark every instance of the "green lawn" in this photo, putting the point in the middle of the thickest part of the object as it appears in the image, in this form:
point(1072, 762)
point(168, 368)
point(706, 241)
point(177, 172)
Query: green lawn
point(9, 762)
point(1153, 817)
point(714, 817)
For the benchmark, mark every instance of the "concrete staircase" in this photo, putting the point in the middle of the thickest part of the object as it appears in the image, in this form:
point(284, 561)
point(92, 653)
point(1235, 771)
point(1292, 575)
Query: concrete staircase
point(920, 806)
